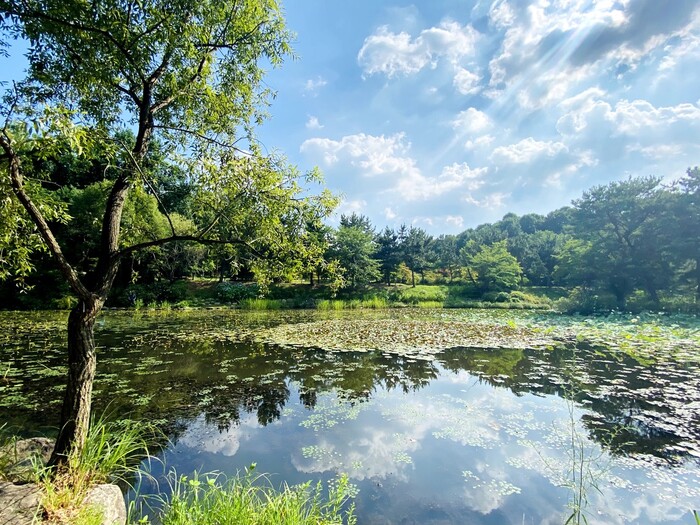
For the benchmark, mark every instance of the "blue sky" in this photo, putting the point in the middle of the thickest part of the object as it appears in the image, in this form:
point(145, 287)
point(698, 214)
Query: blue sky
point(446, 114)
point(450, 113)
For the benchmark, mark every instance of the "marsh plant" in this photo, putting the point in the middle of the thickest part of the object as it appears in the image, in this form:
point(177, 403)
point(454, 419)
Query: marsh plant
point(112, 454)
point(587, 464)
point(211, 499)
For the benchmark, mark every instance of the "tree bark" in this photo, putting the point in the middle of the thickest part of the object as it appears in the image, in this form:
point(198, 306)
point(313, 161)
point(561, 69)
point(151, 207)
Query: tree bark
point(75, 413)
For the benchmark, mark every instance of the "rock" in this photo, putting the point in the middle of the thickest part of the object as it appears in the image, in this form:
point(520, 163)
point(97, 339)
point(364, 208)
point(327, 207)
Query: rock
point(19, 504)
point(110, 500)
point(20, 455)
point(40, 447)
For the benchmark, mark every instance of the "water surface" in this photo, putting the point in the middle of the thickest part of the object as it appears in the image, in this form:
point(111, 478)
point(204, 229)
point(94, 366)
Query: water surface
point(463, 435)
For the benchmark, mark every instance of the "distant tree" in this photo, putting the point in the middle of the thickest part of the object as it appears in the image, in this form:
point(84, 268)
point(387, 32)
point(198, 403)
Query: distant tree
point(355, 220)
point(416, 251)
point(447, 254)
point(497, 270)
point(354, 247)
point(388, 253)
point(684, 227)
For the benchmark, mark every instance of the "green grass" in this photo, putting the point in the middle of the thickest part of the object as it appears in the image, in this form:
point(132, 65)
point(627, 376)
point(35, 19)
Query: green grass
point(261, 304)
point(8, 456)
point(421, 293)
point(373, 303)
point(330, 304)
point(212, 499)
point(430, 304)
point(112, 454)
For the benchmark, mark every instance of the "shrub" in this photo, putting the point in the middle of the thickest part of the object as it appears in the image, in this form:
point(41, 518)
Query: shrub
point(236, 292)
point(586, 301)
point(497, 297)
point(261, 304)
point(420, 293)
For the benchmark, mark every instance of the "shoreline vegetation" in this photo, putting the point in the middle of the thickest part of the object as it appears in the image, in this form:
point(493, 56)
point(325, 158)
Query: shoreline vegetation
point(211, 293)
point(113, 454)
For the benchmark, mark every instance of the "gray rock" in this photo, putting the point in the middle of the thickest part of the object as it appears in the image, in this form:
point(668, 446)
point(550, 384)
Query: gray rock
point(19, 456)
point(38, 447)
point(19, 504)
point(110, 500)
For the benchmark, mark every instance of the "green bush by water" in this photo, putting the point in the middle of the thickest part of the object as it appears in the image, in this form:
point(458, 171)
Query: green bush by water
point(374, 303)
point(212, 499)
point(261, 304)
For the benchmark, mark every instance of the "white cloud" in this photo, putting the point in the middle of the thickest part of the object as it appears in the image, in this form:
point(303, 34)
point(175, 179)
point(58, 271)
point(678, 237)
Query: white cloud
point(390, 214)
point(548, 47)
point(501, 14)
point(589, 117)
point(656, 152)
point(472, 121)
point(352, 206)
point(455, 177)
point(313, 123)
point(466, 82)
point(526, 151)
point(479, 142)
point(314, 85)
point(455, 220)
point(491, 201)
point(374, 155)
point(395, 54)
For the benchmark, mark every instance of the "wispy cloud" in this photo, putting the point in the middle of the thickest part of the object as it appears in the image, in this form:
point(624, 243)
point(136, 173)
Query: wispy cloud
point(313, 123)
point(313, 85)
point(393, 54)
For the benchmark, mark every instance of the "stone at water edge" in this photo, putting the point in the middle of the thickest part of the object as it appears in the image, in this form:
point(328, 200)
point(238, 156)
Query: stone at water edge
point(19, 504)
point(110, 500)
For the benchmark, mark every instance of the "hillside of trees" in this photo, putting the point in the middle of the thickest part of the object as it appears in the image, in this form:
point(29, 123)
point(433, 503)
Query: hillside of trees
point(635, 241)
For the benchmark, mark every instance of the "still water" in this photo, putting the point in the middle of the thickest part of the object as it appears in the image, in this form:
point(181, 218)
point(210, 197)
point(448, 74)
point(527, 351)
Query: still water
point(459, 436)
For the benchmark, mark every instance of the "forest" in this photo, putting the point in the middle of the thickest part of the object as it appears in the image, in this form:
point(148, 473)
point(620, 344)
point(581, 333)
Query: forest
point(632, 245)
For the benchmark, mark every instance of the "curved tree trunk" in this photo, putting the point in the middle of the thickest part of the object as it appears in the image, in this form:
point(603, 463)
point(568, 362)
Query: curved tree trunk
point(75, 413)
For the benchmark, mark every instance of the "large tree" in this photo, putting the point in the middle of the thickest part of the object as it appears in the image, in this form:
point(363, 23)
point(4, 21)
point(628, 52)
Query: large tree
point(497, 269)
point(354, 248)
point(621, 221)
point(186, 72)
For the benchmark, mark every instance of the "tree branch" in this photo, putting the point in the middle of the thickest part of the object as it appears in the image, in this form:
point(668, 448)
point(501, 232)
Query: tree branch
point(183, 238)
point(39, 15)
point(202, 136)
point(44, 230)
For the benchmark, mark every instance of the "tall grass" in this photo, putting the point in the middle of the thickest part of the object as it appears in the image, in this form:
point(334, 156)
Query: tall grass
point(212, 499)
point(261, 304)
point(372, 303)
point(420, 293)
point(112, 454)
point(430, 304)
point(327, 305)
point(8, 454)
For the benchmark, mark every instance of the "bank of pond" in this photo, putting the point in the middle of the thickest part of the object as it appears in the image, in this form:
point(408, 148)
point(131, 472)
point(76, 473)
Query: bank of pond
point(426, 416)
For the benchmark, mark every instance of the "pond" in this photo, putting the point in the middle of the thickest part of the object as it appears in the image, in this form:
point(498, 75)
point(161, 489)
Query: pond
point(437, 417)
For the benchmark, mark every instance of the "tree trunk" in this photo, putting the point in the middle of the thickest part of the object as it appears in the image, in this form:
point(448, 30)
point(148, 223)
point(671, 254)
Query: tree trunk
point(413, 279)
point(75, 413)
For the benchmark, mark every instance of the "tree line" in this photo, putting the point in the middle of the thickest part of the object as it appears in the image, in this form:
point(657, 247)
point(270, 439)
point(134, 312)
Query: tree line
point(637, 236)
